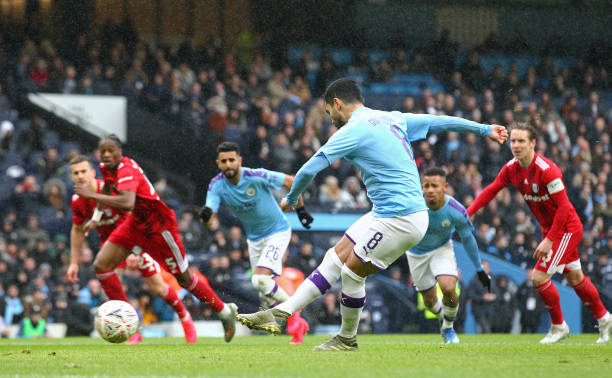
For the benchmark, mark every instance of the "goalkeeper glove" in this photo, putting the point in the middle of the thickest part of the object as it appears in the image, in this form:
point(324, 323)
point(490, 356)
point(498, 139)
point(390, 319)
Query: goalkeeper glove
point(305, 217)
point(485, 279)
point(205, 214)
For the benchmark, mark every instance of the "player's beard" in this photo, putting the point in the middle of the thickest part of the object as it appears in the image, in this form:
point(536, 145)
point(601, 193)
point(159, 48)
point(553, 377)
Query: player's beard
point(230, 173)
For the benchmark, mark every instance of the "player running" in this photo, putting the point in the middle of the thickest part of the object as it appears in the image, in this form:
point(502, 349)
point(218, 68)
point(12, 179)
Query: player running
point(540, 182)
point(247, 193)
point(433, 259)
point(82, 172)
point(378, 144)
point(151, 226)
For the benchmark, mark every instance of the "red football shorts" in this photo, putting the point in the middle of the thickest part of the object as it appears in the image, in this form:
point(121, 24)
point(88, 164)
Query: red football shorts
point(165, 246)
point(563, 256)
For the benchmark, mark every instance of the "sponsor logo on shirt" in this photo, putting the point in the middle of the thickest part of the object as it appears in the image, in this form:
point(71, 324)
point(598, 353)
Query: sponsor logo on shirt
point(534, 187)
point(529, 197)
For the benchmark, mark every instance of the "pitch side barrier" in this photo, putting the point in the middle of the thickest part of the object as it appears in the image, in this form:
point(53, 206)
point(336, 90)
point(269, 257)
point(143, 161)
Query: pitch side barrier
point(570, 302)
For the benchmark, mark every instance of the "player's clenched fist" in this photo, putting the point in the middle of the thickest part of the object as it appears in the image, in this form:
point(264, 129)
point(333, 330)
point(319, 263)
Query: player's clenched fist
point(499, 134)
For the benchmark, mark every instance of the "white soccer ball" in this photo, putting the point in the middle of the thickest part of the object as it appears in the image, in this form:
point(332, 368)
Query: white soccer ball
point(116, 321)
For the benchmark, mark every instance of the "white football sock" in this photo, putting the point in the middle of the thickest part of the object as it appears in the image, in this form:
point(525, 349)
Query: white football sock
point(267, 287)
point(448, 315)
point(353, 300)
point(319, 281)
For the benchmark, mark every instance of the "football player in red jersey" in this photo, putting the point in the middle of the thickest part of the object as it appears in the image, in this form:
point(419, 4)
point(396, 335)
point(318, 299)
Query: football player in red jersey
point(150, 226)
point(83, 210)
point(540, 182)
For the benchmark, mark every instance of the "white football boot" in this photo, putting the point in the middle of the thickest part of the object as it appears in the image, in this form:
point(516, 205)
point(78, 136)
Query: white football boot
point(605, 327)
point(557, 333)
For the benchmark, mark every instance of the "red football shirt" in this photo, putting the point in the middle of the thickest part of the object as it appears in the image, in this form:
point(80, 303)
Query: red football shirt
point(150, 213)
point(83, 209)
point(542, 187)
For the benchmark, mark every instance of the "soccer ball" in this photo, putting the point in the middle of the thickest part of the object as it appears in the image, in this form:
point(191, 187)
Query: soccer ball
point(116, 321)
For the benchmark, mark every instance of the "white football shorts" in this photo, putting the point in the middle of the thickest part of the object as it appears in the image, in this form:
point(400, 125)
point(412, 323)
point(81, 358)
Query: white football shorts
point(427, 267)
point(268, 252)
point(381, 241)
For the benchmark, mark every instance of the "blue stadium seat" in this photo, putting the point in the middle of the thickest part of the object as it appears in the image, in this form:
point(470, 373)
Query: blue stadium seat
point(8, 115)
point(343, 57)
point(52, 139)
point(376, 55)
point(10, 159)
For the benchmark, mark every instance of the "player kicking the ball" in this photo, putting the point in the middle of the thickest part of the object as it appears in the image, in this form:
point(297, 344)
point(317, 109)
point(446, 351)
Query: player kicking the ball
point(540, 182)
point(378, 144)
point(433, 259)
point(82, 172)
point(247, 193)
point(150, 226)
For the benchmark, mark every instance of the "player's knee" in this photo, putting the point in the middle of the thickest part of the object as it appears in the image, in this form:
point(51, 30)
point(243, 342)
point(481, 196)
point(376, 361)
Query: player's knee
point(263, 283)
point(157, 288)
point(430, 300)
point(184, 279)
point(100, 265)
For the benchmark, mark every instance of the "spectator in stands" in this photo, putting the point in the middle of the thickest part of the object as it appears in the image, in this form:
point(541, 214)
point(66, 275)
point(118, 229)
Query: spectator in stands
point(305, 261)
point(327, 312)
point(529, 304)
point(482, 301)
point(352, 186)
point(333, 196)
point(92, 295)
point(504, 306)
point(34, 325)
point(11, 307)
point(29, 235)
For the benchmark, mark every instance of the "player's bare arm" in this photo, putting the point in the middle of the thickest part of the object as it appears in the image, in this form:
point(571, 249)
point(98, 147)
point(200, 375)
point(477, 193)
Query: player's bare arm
point(125, 200)
point(77, 238)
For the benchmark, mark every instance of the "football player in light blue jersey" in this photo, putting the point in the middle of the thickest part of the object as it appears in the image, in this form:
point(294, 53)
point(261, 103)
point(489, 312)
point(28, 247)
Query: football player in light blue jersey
point(247, 193)
point(433, 259)
point(378, 144)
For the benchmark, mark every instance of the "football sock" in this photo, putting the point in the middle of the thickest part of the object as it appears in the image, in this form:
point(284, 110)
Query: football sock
point(448, 316)
point(316, 284)
point(172, 299)
point(590, 296)
point(266, 285)
point(353, 299)
point(437, 308)
point(112, 285)
point(205, 293)
point(225, 311)
point(550, 296)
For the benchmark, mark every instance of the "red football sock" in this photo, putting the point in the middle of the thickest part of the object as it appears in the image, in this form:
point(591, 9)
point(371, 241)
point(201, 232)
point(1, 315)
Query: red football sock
point(550, 296)
point(112, 285)
point(590, 296)
point(205, 293)
point(173, 301)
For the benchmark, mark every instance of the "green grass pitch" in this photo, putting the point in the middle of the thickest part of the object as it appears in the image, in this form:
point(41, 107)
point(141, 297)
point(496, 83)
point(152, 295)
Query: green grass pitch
point(266, 356)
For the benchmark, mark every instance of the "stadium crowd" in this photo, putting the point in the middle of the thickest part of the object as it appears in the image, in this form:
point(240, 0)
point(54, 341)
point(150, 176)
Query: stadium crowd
point(273, 110)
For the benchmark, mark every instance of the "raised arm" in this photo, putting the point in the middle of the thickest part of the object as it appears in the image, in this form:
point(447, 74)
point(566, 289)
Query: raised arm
point(125, 200)
point(418, 125)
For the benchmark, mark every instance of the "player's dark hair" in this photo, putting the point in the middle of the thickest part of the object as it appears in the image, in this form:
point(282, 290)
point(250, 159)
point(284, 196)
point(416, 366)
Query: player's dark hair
point(228, 147)
point(113, 138)
point(79, 159)
point(531, 131)
point(345, 89)
point(435, 171)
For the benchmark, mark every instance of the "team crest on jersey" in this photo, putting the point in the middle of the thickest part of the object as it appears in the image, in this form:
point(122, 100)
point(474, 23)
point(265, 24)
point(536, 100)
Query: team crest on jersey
point(251, 192)
point(526, 182)
point(535, 188)
point(108, 212)
point(446, 223)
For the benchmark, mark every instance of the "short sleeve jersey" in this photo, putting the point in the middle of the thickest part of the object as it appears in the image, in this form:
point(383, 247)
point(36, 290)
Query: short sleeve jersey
point(150, 213)
point(442, 223)
point(251, 200)
point(83, 209)
point(537, 183)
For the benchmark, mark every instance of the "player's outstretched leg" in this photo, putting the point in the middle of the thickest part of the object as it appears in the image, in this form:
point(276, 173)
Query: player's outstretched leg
point(106, 260)
point(313, 287)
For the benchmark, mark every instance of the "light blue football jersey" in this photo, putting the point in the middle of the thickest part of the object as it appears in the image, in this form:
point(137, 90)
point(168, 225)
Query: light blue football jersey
point(378, 144)
point(251, 201)
point(442, 223)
